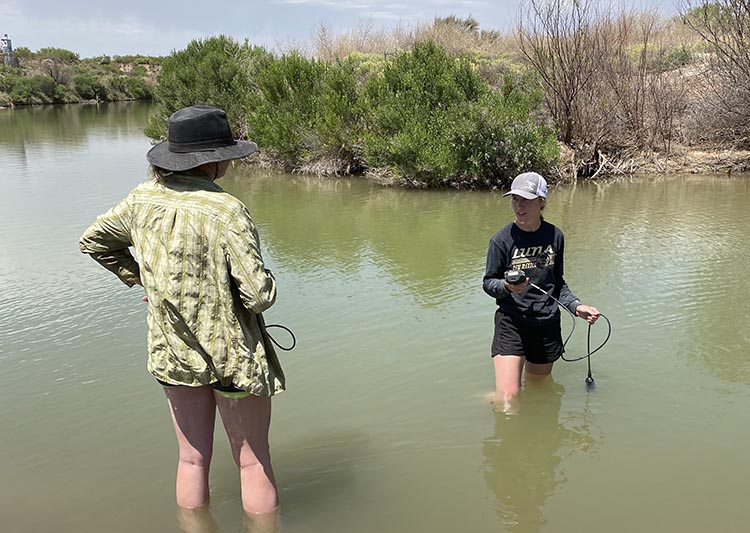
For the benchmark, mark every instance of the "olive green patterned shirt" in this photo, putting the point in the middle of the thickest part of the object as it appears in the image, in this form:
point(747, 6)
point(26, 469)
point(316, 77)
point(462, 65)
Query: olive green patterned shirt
point(199, 261)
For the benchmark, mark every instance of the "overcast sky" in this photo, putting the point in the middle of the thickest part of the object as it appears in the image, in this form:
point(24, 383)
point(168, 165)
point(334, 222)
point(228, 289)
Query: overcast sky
point(156, 27)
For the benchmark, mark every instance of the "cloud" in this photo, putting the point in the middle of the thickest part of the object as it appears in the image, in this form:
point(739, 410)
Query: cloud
point(390, 11)
point(91, 36)
point(10, 9)
point(388, 8)
point(388, 5)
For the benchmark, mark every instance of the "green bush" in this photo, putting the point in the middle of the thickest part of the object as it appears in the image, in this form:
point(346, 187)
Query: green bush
point(494, 139)
point(138, 59)
point(306, 109)
point(23, 52)
point(216, 71)
point(339, 112)
point(282, 110)
point(88, 87)
point(130, 87)
point(57, 53)
point(433, 119)
point(102, 59)
point(40, 89)
point(677, 57)
point(137, 89)
point(139, 70)
point(118, 86)
point(8, 75)
point(423, 114)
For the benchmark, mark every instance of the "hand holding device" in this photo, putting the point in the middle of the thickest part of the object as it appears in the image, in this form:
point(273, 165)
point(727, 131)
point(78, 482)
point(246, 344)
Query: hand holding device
point(515, 277)
point(516, 280)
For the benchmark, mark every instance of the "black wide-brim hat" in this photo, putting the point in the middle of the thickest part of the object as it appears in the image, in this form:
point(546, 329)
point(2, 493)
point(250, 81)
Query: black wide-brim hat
point(198, 134)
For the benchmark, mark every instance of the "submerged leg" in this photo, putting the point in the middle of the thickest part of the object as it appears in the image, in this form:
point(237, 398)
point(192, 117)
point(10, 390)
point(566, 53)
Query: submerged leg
point(508, 370)
point(193, 414)
point(538, 372)
point(198, 520)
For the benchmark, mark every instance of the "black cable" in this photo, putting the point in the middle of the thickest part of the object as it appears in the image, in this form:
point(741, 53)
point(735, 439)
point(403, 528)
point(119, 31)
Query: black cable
point(294, 339)
point(589, 351)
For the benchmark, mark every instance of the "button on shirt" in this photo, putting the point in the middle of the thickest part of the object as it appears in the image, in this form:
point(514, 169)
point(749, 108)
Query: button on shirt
point(200, 264)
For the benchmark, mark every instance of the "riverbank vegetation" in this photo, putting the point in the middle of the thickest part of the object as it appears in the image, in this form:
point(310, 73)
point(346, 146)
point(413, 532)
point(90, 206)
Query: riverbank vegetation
point(56, 76)
point(574, 91)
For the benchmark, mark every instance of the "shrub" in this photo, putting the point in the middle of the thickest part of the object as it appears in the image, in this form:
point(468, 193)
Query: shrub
point(138, 89)
point(216, 71)
point(130, 87)
point(339, 112)
point(304, 109)
point(102, 59)
point(118, 87)
point(281, 112)
point(139, 70)
point(57, 53)
point(23, 52)
point(38, 89)
point(677, 57)
point(433, 119)
point(496, 138)
point(88, 87)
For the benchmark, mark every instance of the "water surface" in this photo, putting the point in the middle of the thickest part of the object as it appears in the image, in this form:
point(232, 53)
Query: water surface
point(385, 425)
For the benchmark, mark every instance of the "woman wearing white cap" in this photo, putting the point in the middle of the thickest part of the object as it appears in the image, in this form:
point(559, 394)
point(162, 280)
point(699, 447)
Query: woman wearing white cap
point(527, 321)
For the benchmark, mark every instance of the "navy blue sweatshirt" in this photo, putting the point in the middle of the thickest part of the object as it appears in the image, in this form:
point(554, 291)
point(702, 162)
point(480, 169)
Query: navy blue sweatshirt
point(540, 255)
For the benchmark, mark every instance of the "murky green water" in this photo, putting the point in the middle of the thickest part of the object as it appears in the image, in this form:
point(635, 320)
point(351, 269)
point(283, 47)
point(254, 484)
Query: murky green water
point(385, 426)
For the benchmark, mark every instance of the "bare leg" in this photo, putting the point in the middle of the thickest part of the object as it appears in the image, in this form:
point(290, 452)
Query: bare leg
point(193, 413)
point(246, 421)
point(508, 370)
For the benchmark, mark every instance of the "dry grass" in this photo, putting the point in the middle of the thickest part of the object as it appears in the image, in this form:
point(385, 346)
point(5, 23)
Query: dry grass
point(454, 35)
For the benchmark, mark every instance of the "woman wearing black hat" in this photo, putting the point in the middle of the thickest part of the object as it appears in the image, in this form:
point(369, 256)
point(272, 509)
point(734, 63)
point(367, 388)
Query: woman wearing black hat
point(527, 320)
point(200, 264)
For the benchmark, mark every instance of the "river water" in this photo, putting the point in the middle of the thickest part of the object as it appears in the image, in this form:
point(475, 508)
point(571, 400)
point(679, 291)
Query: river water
point(386, 425)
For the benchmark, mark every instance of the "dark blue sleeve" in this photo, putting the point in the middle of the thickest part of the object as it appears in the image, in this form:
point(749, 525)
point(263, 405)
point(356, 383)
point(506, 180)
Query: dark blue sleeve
point(566, 296)
point(494, 274)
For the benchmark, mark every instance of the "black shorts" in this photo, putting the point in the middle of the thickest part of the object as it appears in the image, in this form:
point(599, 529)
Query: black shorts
point(538, 344)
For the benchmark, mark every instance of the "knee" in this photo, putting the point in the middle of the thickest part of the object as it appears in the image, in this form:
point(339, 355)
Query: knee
point(509, 386)
point(250, 464)
point(195, 458)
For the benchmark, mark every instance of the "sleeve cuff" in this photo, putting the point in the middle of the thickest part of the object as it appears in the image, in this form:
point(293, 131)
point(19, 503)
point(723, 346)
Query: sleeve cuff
point(572, 306)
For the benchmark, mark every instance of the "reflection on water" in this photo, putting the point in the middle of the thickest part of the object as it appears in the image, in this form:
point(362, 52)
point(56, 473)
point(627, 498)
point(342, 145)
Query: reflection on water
point(522, 457)
point(431, 243)
point(198, 520)
point(677, 249)
point(380, 429)
point(69, 125)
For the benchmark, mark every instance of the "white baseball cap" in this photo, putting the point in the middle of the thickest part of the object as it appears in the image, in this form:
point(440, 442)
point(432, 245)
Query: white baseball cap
point(530, 185)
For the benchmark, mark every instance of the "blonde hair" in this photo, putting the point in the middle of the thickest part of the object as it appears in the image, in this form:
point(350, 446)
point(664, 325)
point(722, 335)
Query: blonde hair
point(158, 173)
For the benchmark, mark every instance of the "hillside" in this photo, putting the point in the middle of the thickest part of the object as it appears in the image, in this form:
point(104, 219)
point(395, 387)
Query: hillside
point(55, 75)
